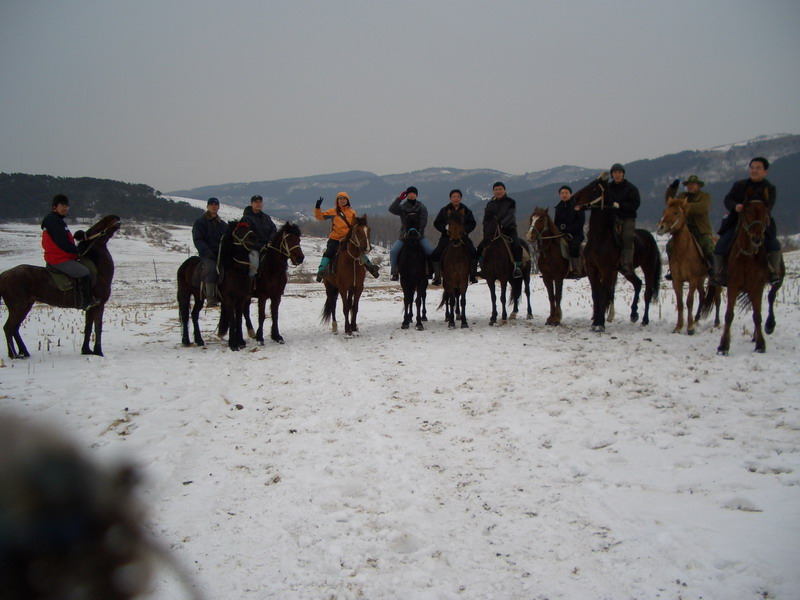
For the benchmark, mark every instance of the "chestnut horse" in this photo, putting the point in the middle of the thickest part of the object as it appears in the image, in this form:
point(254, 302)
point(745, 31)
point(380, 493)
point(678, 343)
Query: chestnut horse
point(603, 252)
point(271, 279)
point(687, 263)
point(23, 285)
point(748, 273)
point(547, 241)
point(455, 272)
point(347, 278)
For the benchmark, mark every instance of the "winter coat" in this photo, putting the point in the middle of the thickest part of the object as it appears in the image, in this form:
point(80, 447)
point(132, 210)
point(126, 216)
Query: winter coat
point(503, 212)
point(57, 241)
point(403, 208)
point(260, 224)
point(763, 190)
point(699, 205)
point(443, 218)
point(339, 227)
point(207, 232)
point(570, 221)
point(627, 196)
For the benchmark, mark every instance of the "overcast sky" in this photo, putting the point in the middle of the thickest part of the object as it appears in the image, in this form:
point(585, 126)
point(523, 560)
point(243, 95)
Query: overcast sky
point(180, 94)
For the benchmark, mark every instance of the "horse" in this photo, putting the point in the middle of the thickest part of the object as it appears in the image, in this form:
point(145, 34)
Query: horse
point(498, 265)
point(412, 265)
point(686, 264)
point(347, 278)
point(189, 288)
point(236, 287)
point(455, 273)
point(23, 285)
point(748, 273)
point(271, 279)
point(602, 255)
point(547, 241)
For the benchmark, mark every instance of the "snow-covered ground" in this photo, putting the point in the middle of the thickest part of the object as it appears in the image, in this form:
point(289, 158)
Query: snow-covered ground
point(493, 462)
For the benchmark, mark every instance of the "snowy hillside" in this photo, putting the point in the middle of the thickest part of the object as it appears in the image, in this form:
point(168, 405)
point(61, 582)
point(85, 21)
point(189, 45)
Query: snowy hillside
point(516, 462)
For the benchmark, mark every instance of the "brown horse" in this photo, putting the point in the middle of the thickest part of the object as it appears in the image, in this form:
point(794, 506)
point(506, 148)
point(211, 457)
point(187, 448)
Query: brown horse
point(686, 264)
point(603, 252)
point(347, 278)
point(455, 273)
point(412, 265)
point(23, 285)
point(498, 265)
point(189, 287)
point(272, 278)
point(748, 272)
point(547, 241)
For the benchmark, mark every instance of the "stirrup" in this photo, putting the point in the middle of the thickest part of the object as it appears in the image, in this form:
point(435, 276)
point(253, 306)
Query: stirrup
point(668, 276)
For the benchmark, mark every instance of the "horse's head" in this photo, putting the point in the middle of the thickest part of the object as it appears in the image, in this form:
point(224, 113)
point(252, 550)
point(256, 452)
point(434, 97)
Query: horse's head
point(359, 235)
point(412, 226)
point(103, 229)
point(674, 216)
point(753, 222)
point(288, 238)
point(593, 193)
point(455, 226)
point(538, 223)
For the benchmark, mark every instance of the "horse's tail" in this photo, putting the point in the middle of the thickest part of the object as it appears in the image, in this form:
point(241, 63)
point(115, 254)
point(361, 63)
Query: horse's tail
point(708, 301)
point(327, 310)
point(653, 278)
point(445, 298)
point(516, 288)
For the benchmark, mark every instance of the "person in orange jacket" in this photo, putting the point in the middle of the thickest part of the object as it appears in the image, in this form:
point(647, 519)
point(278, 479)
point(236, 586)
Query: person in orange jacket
point(342, 218)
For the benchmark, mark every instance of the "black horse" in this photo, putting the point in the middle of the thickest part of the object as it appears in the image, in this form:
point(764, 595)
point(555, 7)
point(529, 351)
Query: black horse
point(236, 287)
point(603, 252)
point(412, 265)
point(23, 285)
point(190, 277)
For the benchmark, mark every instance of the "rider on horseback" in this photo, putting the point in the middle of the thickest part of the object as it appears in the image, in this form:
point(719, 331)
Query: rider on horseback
point(207, 233)
point(570, 222)
point(440, 224)
point(697, 218)
point(342, 219)
point(501, 212)
point(624, 197)
point(61, 253)
point(759, 188)
point(405, 204)
point(263, 229)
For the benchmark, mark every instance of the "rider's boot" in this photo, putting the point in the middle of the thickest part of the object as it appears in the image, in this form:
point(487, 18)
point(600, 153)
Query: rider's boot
point(85, 298)
point(373, 269)
point(575, 267)
point(473, 271)
point(517, 268)
point(323, 264)
point(720, 278)
point(437, 273)
point(212, 299)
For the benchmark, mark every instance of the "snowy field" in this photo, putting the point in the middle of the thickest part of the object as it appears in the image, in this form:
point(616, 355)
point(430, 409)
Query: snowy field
point(516, 462)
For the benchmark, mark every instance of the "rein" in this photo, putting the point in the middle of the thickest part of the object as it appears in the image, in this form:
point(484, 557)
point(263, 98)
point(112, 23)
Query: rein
point(745, 226)
point(284, 249)
point(92, 239)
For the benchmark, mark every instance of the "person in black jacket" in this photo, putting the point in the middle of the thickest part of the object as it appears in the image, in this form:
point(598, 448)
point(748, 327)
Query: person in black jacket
point(262, 227)
point(501, 211)
point(207, 232)
point(405, 204)
point(755, 187)
point(570, 223)
point(624, 197)
point(440, 224)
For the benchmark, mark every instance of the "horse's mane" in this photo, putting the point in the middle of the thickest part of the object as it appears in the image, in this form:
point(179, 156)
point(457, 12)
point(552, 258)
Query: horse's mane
point(290, 228)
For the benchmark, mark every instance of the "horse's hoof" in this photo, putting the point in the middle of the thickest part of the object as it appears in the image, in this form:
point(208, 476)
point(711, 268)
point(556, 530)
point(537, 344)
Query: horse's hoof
point(645, 322)
point(423, 318)
point(464, 325)
point(278, 340)
point(251, 334)
point(186, 343)
point(598, 328)
point(690, 332)
point(420, 327)
point(760, 350)
point(404, 326)
point(451, 325)
point(722, 351)
point(634, 317)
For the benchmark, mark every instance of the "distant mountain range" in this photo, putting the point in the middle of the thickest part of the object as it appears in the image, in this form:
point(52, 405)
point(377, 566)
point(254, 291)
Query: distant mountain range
point(718, 167)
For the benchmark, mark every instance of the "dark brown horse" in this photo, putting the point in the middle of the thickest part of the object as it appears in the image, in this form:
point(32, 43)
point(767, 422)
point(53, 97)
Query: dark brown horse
point(687, 263)
point(498, 265)
point(23, 285)
point(412, 265)
point(455, 272)
point(190, 277)
point(272, 278)
point(347, 278)
point(547, 241)
point(603, 252)
point(748, 272)
point(236, 287)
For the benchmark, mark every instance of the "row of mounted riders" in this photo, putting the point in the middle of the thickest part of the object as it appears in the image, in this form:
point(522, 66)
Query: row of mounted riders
point(23, 285)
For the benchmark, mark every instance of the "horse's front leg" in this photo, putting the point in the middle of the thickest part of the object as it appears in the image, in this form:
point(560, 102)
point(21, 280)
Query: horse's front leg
point(463, 301)
point(493, 294)
point(637, 288)
point(354, 310)
point(677, 287)
point(248, 324)
point(274, 306)
point(94, 319)
point(420, 327)
point(549, 285)
point(559, 285)
point(504, 319)
point(761, 344)
point(725, 341)
point(769, 325)
point(347, 303)
point(198, 338)
point(690, 308)
point(262, 314)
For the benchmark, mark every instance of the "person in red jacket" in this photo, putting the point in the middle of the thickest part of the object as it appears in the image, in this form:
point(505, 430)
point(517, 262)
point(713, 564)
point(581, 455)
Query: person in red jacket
point(61, 253)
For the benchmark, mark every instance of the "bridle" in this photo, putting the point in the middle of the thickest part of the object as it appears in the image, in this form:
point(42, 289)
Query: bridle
point(92, 239)
point(284, 248)
point(744, 225)
point(354, 241)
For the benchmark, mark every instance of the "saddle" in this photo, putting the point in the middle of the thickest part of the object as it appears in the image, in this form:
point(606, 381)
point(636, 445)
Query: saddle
point(64, 282)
